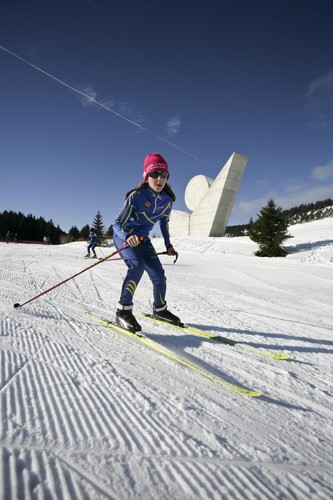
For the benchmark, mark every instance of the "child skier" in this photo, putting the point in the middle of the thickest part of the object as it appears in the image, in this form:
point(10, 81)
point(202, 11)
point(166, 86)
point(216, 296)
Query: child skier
point(93, 240)
point(148, 203)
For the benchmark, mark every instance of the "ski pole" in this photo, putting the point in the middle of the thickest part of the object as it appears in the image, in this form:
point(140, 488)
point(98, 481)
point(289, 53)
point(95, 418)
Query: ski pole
point(17, 305)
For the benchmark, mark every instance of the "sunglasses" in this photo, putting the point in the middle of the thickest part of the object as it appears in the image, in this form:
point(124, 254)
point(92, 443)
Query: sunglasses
point(154, 175)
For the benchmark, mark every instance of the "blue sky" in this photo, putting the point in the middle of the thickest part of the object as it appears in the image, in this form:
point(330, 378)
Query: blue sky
point(89, 87)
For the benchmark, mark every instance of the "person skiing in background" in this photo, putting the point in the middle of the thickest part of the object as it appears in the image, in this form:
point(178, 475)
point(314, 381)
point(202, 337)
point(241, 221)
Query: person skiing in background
point(93, 240)
point(148, 203)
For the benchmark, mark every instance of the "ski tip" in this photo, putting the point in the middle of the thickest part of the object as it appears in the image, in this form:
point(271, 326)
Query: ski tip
point(254, 394)
point(245, 392)
point(269, 354)
point(281, 356)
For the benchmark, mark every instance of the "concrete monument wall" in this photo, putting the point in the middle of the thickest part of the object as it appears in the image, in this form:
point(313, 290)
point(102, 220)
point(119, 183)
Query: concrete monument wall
point(211, 201)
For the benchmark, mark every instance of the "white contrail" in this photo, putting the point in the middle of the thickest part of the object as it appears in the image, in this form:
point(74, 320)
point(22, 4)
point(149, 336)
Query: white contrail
point(99, 103)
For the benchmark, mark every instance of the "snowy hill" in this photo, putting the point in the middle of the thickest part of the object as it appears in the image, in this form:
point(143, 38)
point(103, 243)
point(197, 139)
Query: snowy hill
point(89, 413)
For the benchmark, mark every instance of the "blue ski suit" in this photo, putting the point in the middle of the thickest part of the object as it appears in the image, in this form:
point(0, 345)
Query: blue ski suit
point(93, 240)
point(142, 209)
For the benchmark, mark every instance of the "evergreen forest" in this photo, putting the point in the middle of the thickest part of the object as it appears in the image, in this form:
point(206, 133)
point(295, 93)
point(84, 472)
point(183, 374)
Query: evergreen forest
point(296, 215)
point(17, 227)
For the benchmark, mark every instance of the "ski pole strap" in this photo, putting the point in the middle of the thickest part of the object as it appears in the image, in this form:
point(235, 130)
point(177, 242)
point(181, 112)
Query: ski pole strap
point(166, 253)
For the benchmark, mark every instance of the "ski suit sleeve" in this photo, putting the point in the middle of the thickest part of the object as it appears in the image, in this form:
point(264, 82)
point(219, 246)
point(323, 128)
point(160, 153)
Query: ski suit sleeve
point(120, 226)
point(164, 225)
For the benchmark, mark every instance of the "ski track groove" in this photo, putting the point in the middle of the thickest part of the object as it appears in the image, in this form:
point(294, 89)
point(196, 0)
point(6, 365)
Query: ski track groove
point(225, 480)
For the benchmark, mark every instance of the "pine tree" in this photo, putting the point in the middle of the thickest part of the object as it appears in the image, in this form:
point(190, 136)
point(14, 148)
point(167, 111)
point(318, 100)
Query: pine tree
point(73, 233)
point(270, 230)
point(109, 232)
point(98, 226)
point(84, 233)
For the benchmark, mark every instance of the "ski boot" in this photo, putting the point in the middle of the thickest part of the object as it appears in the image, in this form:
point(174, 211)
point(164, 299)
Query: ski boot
point(126, 320)
point(163, 314)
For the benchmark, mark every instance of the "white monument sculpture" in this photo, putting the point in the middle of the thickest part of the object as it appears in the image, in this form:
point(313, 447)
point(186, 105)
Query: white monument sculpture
point(211, 201)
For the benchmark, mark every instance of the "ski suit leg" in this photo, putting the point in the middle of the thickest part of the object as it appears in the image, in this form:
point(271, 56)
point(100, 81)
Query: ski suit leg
point(135, 269)
point(139, 259)
point(155, 272)
point(92, 247)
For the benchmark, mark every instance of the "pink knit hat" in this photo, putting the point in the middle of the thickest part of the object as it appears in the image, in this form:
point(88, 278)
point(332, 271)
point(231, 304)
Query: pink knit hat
point(154, 162)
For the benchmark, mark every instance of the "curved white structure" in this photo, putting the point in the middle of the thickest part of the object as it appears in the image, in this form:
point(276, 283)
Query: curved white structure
point(210, 200)
point(196, 190)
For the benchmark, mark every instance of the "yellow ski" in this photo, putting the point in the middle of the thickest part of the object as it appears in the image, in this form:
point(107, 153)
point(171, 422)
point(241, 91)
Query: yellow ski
point(166, 352)
point(222, 340)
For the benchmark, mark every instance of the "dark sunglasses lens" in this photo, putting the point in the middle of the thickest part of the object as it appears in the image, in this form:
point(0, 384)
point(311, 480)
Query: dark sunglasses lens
point(154, 175)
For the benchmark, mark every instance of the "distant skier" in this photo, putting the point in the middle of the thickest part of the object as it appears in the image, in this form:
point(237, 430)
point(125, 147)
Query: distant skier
point(93, 241)
point(148, 203)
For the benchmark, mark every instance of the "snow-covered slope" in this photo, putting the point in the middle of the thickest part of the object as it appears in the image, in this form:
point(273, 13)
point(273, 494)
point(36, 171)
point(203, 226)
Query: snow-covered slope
point(88, 413)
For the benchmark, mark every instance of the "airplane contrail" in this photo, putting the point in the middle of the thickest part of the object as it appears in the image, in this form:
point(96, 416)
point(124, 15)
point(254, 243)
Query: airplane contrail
point(144, 129)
